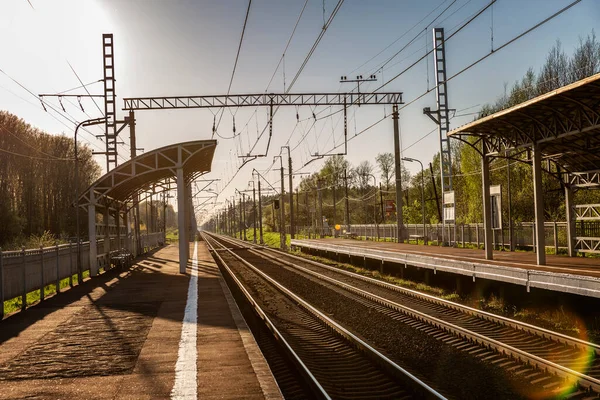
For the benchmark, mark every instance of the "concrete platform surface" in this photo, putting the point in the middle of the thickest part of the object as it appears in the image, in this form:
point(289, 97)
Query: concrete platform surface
point(577, 275)
point(120, 336)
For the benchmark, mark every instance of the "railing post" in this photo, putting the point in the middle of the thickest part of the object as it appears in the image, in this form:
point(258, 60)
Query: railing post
point(477, 233)
point(555, 238)
point(57, 270)
point(24, 274)
point(70, 263)
point(462, 235)
point(42, 285)
point(1, 286)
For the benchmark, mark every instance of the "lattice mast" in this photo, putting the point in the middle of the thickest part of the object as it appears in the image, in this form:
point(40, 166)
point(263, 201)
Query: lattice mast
point(439, 58)
point(110, 134)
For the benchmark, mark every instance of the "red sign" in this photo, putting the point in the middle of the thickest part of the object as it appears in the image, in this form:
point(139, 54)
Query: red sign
point(390, 206)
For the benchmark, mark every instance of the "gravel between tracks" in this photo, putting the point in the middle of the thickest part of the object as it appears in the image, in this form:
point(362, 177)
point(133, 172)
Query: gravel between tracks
point(438, 364)
point(322, 356)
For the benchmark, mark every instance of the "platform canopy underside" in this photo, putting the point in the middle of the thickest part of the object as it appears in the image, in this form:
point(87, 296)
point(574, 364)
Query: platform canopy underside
point(564, 124)
point(152, 169)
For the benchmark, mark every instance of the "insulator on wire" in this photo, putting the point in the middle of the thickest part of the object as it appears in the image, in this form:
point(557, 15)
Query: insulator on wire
point(314, 116)
point(79, 101)
point(61, 104)
point(234, 124)
point(214, 123)
point(297, 117)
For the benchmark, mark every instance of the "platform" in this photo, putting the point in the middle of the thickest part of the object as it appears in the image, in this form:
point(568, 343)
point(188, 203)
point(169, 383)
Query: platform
point(121, 336)
point(576, 275)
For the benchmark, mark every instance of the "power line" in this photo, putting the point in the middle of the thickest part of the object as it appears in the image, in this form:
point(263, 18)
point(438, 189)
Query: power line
point(286, 46)
point(86, 89)
point(239, 47)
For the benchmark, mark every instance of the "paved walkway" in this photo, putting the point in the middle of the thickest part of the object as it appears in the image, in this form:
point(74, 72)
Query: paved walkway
point(118, 336)
point(586, 266)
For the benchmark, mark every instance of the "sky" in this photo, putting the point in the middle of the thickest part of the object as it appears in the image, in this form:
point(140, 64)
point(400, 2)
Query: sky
point(188, 47)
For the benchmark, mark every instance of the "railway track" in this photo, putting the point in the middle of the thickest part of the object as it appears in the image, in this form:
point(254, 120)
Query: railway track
point(333, 362)
point(555, 363)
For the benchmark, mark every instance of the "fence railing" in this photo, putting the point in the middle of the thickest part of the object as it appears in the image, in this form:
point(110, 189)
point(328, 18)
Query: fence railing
point(464, 234)
point(27, 270)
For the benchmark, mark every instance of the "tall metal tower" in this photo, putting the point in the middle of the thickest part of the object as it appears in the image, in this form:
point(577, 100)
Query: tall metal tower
point(441, 117)
point(439, 58)
point(109, 101)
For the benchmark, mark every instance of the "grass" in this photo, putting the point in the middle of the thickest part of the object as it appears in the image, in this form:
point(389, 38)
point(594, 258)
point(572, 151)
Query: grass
point(172, 235)
point(15, 304)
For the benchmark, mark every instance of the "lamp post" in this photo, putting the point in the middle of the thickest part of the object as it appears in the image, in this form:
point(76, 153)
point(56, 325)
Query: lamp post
point(89, 122)
point(408, 159)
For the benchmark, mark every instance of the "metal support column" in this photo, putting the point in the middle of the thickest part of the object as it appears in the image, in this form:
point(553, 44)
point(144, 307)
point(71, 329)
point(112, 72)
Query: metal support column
point(487, 204)
point(347, 205)
point(260, 219)
point(181, 200)
point(109, 101)
point(538, 201)
point(253, 212)
point(290, 188)
point(570, 220)
point(282, 211)
point(92, 234)
point(398, 170)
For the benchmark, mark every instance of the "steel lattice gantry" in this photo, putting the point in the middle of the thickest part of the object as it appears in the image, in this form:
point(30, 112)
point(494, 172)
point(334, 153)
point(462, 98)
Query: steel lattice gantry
point(562, 128)
point(117, 190)
point(265, 99)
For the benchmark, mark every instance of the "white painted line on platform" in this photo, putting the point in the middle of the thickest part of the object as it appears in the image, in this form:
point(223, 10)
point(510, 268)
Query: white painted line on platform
point(186, 374)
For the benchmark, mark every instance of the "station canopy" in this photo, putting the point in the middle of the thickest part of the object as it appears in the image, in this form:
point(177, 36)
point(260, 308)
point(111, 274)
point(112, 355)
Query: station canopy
point(153, 168)
point(564, 123)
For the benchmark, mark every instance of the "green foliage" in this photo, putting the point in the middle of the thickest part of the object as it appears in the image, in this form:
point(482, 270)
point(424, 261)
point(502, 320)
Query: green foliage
point(37, 182)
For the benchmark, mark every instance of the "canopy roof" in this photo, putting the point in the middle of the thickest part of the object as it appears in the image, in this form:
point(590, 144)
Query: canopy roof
point(152, 168)
point(565, 123)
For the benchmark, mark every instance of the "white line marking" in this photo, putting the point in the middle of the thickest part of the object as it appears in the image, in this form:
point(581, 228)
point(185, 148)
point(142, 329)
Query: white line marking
point(186, 374)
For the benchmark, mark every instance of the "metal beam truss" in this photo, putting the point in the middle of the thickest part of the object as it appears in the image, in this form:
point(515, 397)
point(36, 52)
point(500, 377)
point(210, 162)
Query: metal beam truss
point(109, 101)
point(155, 169)
point(253, 100)
point(439, 57)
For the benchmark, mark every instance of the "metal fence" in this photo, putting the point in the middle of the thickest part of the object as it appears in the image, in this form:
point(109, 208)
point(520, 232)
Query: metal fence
point(464, 234)
point(27, 270)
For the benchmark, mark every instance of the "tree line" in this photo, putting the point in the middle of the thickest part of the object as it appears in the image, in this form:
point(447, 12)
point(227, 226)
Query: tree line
point(37, 182)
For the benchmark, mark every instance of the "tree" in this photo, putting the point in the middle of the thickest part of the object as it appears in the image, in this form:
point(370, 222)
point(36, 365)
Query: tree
point(385, 163)
point(586, 59)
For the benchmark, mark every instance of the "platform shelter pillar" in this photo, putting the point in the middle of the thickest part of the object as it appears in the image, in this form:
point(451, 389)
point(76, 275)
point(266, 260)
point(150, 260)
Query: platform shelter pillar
point(538, 201)
point(181, 200)
point(487, 204)
point(92, 234)
point(570, 220)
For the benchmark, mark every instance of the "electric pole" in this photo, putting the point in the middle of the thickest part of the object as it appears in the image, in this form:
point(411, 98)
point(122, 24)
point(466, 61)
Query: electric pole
point(260, 226)
point(347, 207)
point(320, 215)
point(291, 192)
point(399, 220)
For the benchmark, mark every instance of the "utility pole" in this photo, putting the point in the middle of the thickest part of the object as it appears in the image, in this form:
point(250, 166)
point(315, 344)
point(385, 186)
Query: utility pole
point(282, 208)
point(347, 206)
point(510, 222)
point(254, 212)
point(297, 208)
point(241, 220)
point(260, 226)
point(234, 227)
point(244, 215)
point(334, 206)
point(320, 220)
point(291, 192)
point(399, 219)
point(381, 203)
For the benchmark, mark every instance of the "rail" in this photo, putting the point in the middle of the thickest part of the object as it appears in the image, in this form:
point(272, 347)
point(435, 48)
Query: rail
point(583, 380)
point(343, 332)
